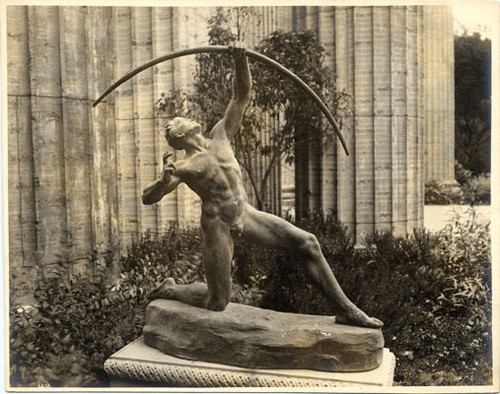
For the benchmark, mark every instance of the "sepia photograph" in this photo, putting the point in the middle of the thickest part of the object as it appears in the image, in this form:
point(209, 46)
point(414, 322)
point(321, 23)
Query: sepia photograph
point(256, 196)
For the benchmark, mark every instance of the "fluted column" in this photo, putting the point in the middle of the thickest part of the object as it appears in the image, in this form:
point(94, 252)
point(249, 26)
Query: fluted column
point(128, 190)
point(326, 35)
point(143, 109)
point(439, 93)
point(77, 152)
point(47, 133)
point(163, 85)
point(379, 184)
point(21, 199)
point(141, 34)
point(344, 72)
point(103, 145)
point(309, 152)
point(413, 91)
point(65, 174)
point(285, 22)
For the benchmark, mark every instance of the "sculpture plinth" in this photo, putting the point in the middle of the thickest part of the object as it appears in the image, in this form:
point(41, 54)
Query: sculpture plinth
point(138, 365)
point(250, 337)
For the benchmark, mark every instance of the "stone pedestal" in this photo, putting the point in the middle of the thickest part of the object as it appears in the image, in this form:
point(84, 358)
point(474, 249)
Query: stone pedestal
point(138, 365)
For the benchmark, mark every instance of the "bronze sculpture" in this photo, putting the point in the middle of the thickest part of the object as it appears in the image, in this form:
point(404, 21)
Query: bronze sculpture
point(210, 169)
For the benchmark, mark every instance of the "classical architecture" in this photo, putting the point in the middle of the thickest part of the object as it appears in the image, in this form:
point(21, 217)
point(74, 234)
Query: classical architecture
point(75, 173)
point(440, 88)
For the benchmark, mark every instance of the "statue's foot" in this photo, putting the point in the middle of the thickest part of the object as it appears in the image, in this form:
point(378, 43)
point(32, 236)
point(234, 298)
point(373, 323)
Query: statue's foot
point(165, 290)
point(358, 318)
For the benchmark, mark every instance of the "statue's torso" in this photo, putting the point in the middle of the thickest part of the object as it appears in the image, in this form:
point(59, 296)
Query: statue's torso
point(215, 175)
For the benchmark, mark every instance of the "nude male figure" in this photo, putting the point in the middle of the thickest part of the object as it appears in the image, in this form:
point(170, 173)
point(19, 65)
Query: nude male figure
point(210, 169)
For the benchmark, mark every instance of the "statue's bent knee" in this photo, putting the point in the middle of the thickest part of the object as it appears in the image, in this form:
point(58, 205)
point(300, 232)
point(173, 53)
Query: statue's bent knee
point(309, 243)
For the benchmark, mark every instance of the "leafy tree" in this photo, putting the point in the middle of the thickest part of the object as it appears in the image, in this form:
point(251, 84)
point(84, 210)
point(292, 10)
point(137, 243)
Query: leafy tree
point(280, 122)
point(298, 135)
point(473, 102)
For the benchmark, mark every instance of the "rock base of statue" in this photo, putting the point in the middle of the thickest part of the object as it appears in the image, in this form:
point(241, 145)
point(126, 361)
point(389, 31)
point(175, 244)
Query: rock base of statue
point(249, 337)
point(138, 365)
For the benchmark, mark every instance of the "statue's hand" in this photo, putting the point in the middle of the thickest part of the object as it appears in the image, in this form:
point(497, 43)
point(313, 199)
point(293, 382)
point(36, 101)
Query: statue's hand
point(168, 167)
point(237, 49)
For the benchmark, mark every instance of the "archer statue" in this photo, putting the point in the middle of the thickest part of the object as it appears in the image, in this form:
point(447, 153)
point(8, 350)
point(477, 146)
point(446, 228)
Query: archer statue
point(211, 170)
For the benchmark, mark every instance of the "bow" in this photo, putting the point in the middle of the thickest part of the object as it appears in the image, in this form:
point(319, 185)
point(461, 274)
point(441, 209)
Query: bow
point(224, 49)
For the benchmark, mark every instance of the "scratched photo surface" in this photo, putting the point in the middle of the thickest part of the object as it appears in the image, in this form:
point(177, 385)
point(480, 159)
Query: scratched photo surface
point(275, 197)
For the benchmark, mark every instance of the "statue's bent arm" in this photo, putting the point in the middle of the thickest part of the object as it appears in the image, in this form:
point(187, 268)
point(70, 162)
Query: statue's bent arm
point(156, 190)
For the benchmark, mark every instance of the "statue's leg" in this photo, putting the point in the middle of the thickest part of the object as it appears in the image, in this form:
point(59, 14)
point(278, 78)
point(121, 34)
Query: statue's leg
point(193, 294)
point(272, 231)
point(217, 253)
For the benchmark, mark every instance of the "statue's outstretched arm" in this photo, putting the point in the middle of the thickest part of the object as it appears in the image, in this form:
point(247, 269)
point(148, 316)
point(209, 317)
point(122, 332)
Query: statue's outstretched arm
point(242, 84)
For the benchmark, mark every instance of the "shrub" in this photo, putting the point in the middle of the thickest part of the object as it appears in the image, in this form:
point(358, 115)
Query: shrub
point(77, 323)
point(476, 188)
point(437, 193)
point(472, 189)
point(65, 337)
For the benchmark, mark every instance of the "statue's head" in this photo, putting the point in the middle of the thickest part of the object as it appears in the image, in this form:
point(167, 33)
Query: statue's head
point(179, 130)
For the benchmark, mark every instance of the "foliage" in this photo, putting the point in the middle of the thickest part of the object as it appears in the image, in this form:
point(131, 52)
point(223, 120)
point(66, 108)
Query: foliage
point(473, 102)
point(76, 323)
point(476, 188)
point(295, 123)
point(472, 189)
point(59, 340)
point(300, 119)
point(438, 193)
